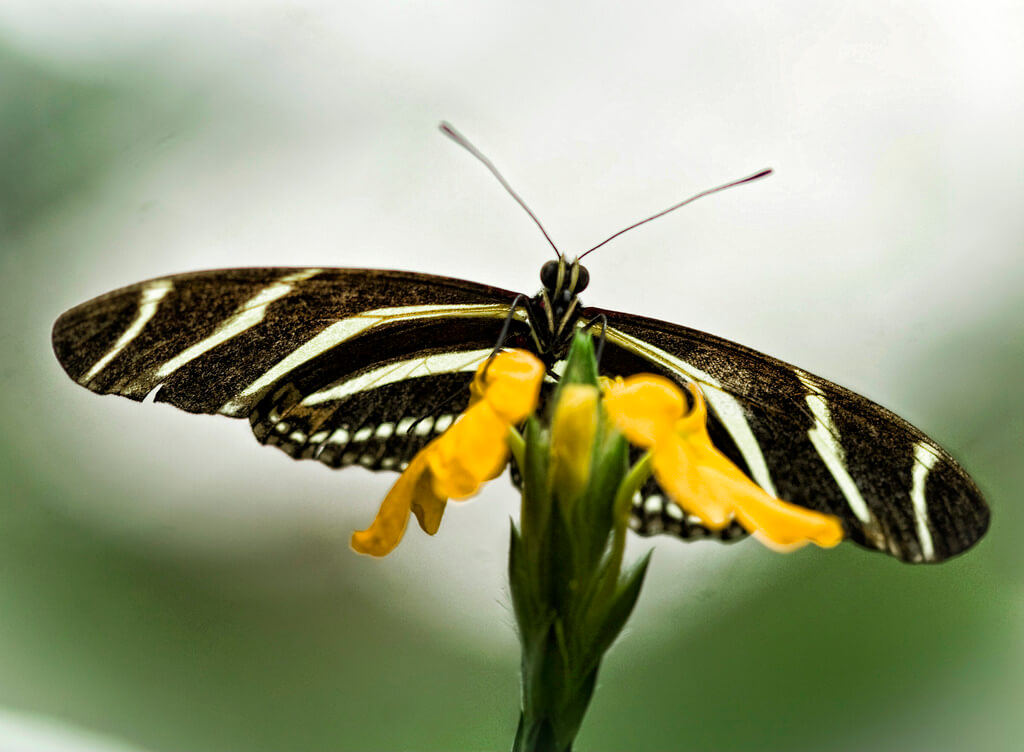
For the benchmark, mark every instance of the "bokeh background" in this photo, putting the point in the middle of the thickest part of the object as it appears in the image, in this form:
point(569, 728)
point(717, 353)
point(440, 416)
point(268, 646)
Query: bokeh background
point(168, 584)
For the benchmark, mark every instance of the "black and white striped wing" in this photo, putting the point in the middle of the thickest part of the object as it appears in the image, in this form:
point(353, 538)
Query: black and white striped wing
point(347, 366)
point(807, 441)
point(351, 366)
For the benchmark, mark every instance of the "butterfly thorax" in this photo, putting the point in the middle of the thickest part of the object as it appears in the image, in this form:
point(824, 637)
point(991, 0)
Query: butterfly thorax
point(554, 311)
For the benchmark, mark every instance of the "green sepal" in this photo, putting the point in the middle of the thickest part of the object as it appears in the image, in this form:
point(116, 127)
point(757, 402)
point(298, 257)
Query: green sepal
point(609, 467)
point(519, 580)
point(581, 363)
point(605, 535)
point(562, 561)
point(614, 619)
point(536, 506)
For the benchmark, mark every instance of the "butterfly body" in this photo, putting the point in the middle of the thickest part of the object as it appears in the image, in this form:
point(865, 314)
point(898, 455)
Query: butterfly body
point(364, 366)
point(554, 312)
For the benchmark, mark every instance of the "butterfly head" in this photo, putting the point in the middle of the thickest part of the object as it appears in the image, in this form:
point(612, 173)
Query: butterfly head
point(555, 310)
point(563, 278)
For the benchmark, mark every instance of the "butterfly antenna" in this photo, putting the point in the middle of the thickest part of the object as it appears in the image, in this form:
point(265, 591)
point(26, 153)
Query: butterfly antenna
point(448, 130)
point(748, 179)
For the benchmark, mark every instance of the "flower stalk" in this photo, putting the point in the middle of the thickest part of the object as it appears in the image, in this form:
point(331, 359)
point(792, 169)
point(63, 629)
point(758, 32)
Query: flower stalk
point(569, 592)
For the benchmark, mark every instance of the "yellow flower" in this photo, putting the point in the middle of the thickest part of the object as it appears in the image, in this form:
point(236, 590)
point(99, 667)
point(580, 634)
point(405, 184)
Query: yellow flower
point(455, 464)
point(651, 412)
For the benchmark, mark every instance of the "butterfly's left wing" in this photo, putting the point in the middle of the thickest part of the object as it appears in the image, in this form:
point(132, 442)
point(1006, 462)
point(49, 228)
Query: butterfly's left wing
point(807, 441)
point(348, 366)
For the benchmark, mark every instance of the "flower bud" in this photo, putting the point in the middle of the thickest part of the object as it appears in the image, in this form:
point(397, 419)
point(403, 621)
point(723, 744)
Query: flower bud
point(573, 428)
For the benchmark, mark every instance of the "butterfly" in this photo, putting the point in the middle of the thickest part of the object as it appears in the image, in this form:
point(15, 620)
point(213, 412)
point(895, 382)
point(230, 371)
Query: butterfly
point(365, 366)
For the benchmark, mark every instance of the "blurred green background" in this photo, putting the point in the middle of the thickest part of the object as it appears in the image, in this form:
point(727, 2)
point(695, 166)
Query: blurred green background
point(167, 584)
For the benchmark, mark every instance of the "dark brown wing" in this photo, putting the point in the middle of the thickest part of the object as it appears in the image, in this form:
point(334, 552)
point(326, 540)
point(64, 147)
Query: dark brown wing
point(356, 366)
point(342, 365)
point(811, 442)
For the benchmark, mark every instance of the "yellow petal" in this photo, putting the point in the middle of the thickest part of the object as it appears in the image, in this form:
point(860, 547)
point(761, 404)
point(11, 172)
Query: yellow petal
point(644, 407)
point(389, 526)
point(512, 384)
point(454, 465)
point(787, 526)
point(428, 506)
point(474, 450)
point(706, 483)
point(682, 470)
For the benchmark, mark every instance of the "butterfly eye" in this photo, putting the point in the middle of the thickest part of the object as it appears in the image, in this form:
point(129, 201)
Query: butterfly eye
point(582, 280)
point(549, 275)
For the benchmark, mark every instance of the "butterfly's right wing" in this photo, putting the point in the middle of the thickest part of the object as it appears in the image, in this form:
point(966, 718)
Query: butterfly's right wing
point(808, 441)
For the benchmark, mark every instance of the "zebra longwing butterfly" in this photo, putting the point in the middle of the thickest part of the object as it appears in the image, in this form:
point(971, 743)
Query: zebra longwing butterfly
point(365, 366)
